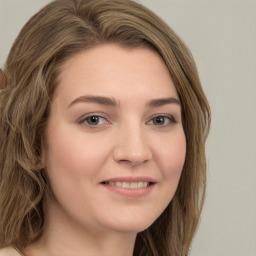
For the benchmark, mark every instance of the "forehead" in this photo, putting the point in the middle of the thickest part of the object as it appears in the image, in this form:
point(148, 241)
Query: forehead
point(110, 68)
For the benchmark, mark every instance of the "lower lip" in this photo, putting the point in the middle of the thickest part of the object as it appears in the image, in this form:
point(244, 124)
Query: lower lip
point(130, 192)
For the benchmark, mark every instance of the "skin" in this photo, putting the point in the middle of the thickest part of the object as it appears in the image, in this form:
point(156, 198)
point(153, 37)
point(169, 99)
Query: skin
point(126, 139)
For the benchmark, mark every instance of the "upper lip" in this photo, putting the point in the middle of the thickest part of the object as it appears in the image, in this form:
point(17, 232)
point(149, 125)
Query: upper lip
point(131, 179)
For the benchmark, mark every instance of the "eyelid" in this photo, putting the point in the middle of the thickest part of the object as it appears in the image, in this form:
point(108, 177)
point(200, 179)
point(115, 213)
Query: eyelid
point(101, 115)
point(171, 117)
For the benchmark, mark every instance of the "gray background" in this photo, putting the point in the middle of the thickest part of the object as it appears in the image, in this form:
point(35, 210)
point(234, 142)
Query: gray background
point(222, 37)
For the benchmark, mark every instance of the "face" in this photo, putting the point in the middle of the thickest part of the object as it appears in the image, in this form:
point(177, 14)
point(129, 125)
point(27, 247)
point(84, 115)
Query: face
point(116, 145)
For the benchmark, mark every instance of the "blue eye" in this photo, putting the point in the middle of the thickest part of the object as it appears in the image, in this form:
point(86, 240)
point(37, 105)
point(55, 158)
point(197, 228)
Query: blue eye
point(162, 120)
point(94, 120)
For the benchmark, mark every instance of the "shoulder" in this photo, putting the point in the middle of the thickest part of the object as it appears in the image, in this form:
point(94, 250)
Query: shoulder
point(9, 251)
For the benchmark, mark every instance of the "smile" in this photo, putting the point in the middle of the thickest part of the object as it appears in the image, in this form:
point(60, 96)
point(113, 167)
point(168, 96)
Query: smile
point(133, 185)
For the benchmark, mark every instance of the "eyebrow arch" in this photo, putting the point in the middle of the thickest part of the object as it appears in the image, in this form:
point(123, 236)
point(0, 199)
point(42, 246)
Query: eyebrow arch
point(164, 101)
point(106, 101)
point(95, 99)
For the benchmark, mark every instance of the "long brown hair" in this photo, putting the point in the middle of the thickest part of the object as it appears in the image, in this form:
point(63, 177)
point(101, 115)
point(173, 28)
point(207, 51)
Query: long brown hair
point(57, 32)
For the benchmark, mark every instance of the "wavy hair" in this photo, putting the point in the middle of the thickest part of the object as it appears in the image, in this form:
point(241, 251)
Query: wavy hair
point(60, 30)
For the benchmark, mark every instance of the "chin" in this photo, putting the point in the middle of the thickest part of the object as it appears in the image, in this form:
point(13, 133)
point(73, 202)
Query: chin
point(130, 224)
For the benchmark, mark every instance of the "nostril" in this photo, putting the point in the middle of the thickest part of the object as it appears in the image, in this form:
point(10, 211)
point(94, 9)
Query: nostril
point(132, 153)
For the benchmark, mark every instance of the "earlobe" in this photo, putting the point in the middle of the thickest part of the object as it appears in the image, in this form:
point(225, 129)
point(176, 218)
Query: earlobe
point(41, 163)
point(3, 79)
point(42, 157)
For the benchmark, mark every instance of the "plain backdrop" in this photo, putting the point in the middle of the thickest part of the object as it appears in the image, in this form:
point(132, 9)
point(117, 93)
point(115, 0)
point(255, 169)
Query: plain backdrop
point(221, 35)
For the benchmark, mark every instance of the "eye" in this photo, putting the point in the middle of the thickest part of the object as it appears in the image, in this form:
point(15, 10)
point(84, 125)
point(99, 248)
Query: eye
point(94, 120)
point(162, 120)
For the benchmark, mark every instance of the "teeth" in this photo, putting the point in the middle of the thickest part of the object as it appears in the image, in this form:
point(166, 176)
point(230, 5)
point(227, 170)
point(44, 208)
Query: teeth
point(140, 184)
point(134, 185)
point(118, 184)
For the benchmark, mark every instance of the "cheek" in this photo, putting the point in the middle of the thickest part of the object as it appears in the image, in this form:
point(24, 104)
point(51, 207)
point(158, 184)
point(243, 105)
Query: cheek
point(74, 156)
point(72, 163)
point(171, 156)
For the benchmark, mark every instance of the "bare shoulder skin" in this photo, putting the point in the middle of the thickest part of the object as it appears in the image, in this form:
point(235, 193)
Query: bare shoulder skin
point(9, 251)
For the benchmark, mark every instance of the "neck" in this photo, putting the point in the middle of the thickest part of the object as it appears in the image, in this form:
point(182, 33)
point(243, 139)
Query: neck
point(61, 236)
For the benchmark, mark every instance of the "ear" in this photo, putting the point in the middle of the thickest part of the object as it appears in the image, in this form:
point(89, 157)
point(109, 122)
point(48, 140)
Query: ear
point(3, 80)
point(42, 158)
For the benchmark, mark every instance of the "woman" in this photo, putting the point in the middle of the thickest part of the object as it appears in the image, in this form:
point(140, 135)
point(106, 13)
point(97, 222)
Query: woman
point(103, 126)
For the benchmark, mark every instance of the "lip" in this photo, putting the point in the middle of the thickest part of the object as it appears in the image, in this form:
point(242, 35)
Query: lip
point(130, 192)
point(131, 179)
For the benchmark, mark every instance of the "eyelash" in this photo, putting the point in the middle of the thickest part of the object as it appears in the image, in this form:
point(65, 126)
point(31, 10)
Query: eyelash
point(150, 122)
point(85, 120)
point(171, 119)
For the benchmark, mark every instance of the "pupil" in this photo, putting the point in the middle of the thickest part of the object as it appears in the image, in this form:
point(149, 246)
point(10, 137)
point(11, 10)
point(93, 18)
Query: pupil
point(94, 120)
point(159, 120)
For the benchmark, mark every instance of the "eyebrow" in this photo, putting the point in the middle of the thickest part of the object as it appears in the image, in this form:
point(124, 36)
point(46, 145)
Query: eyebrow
point(164, 101)
point(106, 101)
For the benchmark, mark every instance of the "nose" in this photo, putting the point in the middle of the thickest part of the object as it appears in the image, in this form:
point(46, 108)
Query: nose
point(132, 147)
